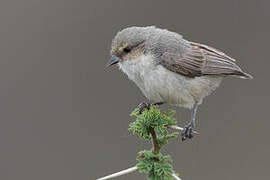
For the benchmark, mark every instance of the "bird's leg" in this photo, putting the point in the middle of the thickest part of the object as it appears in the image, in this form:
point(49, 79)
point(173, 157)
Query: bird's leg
point(144, 105)
point(188, 130)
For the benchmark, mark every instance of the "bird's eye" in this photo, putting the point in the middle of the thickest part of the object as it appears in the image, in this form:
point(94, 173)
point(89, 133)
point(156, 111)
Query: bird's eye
point(127, 49)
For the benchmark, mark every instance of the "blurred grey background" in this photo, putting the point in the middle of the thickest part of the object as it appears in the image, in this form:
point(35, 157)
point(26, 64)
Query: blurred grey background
point(63, 116)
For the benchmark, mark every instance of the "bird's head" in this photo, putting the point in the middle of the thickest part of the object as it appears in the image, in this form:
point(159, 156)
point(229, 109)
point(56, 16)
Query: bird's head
point(130, 43)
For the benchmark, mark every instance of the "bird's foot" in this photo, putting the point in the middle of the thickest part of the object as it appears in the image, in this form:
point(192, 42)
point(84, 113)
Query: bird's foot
point(145, 105)
point(187, 132)
point(142, 106)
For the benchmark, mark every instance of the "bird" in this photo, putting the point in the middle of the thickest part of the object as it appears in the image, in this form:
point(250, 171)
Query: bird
point(170, 69)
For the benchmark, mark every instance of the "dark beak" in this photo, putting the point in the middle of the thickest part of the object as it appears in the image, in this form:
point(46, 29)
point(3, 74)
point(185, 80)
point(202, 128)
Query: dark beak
point(113, 60)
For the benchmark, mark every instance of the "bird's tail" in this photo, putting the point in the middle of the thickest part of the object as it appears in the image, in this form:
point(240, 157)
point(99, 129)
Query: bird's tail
point(242, 75)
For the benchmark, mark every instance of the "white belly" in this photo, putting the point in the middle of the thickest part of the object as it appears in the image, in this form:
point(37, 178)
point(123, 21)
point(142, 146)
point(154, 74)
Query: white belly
point(161, 85)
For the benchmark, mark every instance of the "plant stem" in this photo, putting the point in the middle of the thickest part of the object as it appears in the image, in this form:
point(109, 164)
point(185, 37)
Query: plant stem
point(126, 171)
point(176, 177)
point(154, 140)
point(181, 129)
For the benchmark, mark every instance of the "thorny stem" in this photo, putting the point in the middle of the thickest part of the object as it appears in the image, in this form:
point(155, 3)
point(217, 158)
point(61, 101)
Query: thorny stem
point(154, 140)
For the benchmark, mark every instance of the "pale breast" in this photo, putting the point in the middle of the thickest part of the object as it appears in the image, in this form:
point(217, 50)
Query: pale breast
point(161, 85)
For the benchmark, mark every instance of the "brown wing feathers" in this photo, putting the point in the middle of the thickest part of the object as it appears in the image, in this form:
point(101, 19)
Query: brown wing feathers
point(202, 60)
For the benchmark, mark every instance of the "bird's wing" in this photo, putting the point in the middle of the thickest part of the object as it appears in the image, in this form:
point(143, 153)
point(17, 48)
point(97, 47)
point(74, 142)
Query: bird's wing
point(201, 60)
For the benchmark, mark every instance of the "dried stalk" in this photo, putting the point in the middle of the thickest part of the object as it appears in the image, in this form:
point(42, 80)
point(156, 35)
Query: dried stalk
point(126, 171)
point(176, 177)
point(180, 129)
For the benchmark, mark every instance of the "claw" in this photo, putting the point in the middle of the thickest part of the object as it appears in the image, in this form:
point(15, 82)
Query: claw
point(142, 106)
point(187, 132)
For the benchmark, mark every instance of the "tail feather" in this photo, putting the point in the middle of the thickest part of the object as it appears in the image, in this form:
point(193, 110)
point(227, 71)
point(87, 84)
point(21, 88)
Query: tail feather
point(244, 75)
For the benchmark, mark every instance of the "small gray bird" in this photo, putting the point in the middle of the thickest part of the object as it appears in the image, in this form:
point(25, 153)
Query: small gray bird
point(170, 69)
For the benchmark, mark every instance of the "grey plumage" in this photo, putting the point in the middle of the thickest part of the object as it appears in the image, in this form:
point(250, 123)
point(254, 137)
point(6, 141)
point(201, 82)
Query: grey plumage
point(170, 69)
point(179, 55)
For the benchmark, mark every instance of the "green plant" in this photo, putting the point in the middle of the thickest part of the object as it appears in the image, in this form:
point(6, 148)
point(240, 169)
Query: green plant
point(152, 125)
